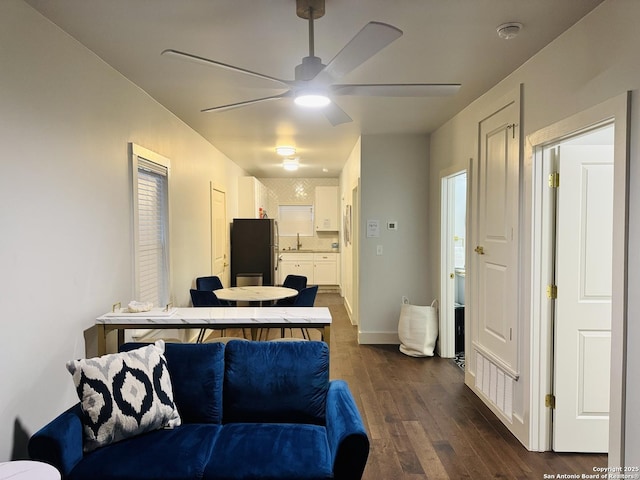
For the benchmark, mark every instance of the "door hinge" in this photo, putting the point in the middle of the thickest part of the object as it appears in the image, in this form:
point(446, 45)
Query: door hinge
point(550, 400)
point(552, 291)
point(554, 180)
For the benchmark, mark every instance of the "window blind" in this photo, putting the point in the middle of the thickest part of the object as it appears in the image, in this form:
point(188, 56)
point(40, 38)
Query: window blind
point(152, 254)
point(295, 219)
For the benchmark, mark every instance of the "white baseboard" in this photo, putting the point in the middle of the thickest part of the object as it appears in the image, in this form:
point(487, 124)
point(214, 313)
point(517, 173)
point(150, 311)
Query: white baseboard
point(378, 338)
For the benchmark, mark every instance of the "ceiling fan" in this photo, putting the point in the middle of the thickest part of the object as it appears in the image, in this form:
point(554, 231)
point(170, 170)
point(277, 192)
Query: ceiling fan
point(315, 83)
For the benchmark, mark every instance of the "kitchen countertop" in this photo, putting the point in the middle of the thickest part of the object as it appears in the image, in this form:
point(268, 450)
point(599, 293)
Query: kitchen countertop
point(330, 250)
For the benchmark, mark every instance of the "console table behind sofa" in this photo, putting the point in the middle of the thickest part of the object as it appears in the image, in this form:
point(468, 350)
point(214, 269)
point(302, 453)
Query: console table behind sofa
point(214, 318)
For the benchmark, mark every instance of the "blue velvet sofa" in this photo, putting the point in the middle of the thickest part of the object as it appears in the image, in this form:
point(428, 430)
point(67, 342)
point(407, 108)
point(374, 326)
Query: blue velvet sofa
point(249, 410)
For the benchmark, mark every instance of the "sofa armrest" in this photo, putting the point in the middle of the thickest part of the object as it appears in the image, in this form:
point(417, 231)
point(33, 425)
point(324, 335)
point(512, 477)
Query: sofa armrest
point(59, 443)
point(348, 440)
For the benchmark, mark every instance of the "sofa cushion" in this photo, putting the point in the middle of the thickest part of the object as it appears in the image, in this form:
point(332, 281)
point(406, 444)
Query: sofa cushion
point(197, 372)
point(178, 454)
point(124, 394)
point(270, 450)
point(279, 382)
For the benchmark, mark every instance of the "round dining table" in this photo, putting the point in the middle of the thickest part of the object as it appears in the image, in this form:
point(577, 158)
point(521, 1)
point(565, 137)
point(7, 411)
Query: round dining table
point(255, 293)
point(251, 294)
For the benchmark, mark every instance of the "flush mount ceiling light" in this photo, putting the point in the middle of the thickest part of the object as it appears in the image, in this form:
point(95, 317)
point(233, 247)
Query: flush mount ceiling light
point(509, 30)
point(286, 150)
point(290, 164)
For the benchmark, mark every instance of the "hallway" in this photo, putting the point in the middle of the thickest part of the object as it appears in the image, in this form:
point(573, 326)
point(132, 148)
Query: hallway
point(424, 423)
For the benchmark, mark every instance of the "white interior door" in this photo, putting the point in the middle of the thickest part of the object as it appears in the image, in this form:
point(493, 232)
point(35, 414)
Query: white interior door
point(496, 253)
point(447, 276)
point(219, 234)
point(582, 349)
point(452, 255)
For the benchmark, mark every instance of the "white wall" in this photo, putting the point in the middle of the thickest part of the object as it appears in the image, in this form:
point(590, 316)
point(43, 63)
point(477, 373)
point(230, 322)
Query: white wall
point(65, 206)
point(349, 179)
point(394, 186)
point(595, 60)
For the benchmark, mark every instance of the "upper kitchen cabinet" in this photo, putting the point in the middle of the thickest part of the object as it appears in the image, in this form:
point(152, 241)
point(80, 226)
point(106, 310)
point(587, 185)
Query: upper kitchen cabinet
point(252, 197)
point(326, 209)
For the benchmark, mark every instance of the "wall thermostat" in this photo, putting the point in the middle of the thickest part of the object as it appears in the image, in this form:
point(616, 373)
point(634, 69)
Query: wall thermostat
point(392, 225)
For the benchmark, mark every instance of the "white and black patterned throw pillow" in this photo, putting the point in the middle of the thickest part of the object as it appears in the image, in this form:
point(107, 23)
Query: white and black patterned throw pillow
point(124, 394)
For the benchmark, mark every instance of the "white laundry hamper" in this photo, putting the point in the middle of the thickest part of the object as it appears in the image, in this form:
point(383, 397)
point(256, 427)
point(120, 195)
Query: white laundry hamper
point(418, 329)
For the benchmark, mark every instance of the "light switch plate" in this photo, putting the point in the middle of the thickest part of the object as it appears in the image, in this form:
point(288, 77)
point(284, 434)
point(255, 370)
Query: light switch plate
point(392, 225)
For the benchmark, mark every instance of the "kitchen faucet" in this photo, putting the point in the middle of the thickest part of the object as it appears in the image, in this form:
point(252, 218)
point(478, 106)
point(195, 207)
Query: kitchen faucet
point(298, 241)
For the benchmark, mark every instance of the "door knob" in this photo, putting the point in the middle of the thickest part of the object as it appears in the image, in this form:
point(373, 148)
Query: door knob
point(451, 275)
point(479, 250)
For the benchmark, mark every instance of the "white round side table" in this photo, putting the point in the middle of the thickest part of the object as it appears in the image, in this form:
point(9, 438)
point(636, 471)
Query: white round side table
point(28, 470)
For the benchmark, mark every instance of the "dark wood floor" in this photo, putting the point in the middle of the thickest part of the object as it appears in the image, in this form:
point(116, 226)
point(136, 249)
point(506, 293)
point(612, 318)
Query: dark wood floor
point(424, 423)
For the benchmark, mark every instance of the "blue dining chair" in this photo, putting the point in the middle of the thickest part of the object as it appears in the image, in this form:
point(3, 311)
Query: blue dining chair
point(209, 283)
point(306, 298)
point(297, 282)
point(204, 298)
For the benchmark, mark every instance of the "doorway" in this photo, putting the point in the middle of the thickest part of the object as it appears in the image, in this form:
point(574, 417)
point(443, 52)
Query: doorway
point(219, 234)
point(453, 267)
point(354, 239)
point(547, 352)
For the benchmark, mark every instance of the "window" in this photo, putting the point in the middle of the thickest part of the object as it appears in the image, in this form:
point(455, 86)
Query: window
point(295, 219)
point(151, 226)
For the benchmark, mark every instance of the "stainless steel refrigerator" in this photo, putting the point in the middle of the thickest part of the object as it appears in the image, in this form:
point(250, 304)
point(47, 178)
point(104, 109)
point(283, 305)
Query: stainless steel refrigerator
point(254, 249)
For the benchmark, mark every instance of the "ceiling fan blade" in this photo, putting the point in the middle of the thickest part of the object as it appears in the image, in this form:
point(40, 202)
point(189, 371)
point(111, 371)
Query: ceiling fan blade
point(208, 62)
point(231, 106)
point(398, 89)
point(373, 37)
point(335, 114)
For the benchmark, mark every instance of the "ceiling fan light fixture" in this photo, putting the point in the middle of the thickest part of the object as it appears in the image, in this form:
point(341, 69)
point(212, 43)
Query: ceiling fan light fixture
point(285, 150)
point(290, 164)
point(312, 99)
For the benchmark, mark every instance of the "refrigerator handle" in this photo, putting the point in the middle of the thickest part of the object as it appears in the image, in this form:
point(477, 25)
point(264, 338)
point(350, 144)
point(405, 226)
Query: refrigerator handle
point(276, 253)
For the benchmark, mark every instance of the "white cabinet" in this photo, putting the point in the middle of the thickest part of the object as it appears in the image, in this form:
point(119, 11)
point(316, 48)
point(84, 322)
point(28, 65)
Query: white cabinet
point(296, 264)
point(319, 268)
point(252, 196)
point(326, 210)
point(325, 269)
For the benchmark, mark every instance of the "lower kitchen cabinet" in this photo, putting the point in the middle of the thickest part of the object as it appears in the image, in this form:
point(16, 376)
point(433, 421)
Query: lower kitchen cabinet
point(319, 268)
point(296, 264)
point(325, 269)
